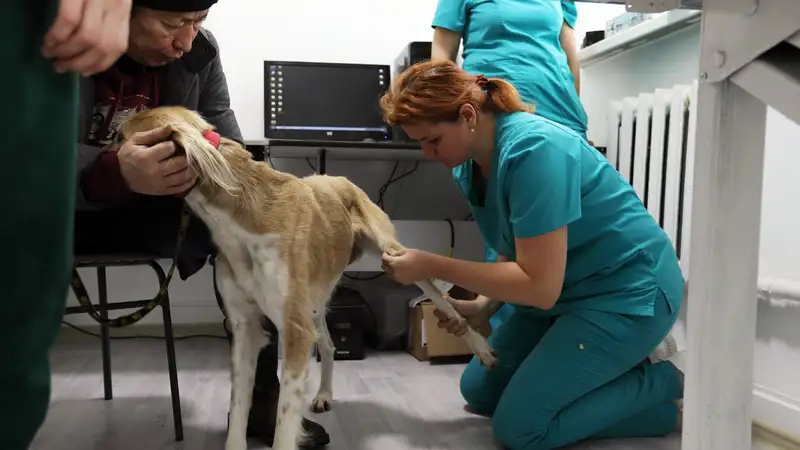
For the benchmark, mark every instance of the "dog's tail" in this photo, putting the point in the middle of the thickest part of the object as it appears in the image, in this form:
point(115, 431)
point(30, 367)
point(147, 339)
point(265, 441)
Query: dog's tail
point(369, 222)
point(209, 162)
point(372, 224)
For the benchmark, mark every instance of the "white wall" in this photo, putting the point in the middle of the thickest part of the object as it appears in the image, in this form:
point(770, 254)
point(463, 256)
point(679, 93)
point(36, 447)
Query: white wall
point(674, 60)
point(345, 31)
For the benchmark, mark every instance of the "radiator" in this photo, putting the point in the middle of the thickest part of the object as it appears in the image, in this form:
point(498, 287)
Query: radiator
point(651, 143)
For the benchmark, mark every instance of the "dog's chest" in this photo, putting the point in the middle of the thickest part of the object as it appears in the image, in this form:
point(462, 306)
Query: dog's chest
point(256, 260)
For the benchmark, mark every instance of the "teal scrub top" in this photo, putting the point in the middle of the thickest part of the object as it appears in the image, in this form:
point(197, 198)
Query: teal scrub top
point(544, 176)
point(518, 41)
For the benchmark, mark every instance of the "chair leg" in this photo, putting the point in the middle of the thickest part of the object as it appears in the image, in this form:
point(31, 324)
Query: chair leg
point(171, 360)
point(102, 290)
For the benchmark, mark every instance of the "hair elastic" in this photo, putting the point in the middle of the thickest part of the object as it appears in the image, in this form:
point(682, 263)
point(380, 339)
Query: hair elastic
point(485, 83)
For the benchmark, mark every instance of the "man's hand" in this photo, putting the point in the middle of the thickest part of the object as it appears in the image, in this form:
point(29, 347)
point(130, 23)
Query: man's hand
point(149, 165)
point(88, 35)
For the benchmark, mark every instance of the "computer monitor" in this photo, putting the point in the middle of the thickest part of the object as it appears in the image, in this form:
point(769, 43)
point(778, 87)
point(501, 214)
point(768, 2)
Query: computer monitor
point(325, 101)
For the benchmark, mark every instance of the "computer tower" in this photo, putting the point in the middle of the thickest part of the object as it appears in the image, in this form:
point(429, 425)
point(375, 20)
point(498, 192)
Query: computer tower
point(413, 53)
point(346, 325)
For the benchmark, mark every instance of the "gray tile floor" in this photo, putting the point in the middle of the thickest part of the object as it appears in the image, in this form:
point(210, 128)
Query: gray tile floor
point(389, 401)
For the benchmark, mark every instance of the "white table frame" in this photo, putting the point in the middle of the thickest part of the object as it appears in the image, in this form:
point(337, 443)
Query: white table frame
point(749, 59)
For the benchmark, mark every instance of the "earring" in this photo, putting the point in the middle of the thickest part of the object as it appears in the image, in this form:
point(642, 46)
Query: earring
point(472, 130)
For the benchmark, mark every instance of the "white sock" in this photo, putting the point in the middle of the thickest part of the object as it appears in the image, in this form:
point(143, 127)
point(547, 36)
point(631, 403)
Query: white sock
point(665, 350)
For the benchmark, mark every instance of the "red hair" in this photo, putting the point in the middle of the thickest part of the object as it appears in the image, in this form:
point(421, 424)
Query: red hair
point(434, 91)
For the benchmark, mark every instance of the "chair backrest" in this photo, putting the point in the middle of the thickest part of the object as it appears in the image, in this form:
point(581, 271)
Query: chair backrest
point(651, 142)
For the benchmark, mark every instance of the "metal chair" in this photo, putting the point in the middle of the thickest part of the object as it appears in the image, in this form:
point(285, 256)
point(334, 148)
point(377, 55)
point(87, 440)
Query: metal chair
point(101, 262)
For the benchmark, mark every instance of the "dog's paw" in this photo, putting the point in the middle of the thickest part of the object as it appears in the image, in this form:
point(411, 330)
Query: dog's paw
point(321, 403)
point(481, 348)
point(488, 358)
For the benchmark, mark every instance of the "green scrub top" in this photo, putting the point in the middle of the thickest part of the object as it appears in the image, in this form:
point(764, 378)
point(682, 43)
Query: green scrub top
point(544, 176)
point(519, 41)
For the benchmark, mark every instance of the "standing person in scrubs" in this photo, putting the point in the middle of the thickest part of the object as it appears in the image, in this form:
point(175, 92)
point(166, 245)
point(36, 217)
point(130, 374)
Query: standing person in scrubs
point(595, 280)
point(530, 44)
point(43, 43)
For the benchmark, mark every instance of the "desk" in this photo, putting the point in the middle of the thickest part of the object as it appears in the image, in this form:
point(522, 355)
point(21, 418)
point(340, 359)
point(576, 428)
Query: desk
point(322, 150)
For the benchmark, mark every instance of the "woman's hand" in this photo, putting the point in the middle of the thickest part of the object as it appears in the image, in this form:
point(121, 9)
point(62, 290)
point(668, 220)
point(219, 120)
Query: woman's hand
point(472, 313)
point(407, 266)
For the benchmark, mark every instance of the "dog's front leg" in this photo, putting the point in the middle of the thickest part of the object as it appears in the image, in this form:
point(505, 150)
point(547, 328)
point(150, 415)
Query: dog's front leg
point(248, 335)
point(248, 338)
point(322, 401)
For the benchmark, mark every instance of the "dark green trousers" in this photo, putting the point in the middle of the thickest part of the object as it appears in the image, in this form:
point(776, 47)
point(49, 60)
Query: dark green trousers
point(37, 185)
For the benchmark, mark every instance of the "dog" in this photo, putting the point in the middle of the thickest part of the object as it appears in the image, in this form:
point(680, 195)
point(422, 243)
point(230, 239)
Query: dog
point(284, 243)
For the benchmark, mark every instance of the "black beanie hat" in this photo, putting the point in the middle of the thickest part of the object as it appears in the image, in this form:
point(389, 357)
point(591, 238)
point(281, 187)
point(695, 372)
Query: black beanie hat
point(176, 5)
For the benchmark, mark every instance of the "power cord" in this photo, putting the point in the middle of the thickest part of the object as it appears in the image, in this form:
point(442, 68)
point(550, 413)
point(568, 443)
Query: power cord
point(371, 277)
point(392, 179)
point(452, 238)
point(143, 336)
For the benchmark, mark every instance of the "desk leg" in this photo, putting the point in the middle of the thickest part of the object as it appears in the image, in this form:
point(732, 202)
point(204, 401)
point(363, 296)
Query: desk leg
point(321, 159)
point(726, 220)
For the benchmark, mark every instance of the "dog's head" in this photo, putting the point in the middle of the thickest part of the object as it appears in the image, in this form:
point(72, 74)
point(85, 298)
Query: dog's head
point(211, 163)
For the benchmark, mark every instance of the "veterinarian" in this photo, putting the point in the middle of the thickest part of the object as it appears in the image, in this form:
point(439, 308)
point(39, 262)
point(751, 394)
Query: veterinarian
point(129, 196)
point(42, 50)
point(593, 280)
point(529, 43)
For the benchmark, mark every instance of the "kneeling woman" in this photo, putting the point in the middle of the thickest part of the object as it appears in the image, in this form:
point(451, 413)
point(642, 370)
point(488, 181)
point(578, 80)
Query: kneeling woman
point(594, 280)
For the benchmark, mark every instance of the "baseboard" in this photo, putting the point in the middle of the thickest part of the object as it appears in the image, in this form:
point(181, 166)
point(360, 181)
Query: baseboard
point(768, 439)
point(776, 417)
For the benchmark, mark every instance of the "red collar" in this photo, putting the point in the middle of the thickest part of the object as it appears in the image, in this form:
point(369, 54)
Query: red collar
point(213, 137)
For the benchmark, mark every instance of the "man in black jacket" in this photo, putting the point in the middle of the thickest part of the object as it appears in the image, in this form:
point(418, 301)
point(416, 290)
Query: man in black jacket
point(128, 198)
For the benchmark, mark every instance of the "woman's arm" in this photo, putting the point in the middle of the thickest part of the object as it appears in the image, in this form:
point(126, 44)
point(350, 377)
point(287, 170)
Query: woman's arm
point(445, 44)
point(567, 39)
point(535, 279)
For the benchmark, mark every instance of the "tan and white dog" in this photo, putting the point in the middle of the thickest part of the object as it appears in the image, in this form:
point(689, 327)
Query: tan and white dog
point(283, 244)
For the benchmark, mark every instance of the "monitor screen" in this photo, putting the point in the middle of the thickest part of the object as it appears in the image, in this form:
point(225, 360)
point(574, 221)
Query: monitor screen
point(324, 101)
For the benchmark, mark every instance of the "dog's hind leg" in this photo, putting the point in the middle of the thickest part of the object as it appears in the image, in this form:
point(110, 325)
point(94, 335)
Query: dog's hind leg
point(299, 335)
point(322, 401)
point(248, 338)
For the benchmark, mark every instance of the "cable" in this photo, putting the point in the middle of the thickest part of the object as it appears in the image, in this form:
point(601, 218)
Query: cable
point(144, 336)
point(269, 160)
point(371, 277)
point(392, 179)
point(452, 238)
point(308, 161)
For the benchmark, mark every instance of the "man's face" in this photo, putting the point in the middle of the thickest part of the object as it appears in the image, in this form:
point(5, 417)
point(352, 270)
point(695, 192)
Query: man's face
point(158, 37)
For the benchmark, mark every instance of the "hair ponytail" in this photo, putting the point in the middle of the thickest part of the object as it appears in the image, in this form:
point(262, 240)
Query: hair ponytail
point(502, 97)
point(434, 91)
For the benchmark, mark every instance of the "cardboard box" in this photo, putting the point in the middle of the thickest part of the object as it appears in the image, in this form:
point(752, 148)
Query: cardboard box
point(427, 340)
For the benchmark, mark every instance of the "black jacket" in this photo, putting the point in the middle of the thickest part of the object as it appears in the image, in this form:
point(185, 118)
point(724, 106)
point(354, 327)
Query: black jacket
point(197, 82)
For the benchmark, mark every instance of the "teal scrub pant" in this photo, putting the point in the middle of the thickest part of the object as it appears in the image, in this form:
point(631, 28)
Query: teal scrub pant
point(578, 375)
point(37, 181)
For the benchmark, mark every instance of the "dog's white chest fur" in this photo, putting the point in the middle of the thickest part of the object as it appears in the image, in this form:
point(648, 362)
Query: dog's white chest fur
point(255, 259)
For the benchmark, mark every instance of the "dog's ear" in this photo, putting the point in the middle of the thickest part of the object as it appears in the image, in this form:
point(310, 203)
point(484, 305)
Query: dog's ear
point(177, 139)
point(208, 162)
